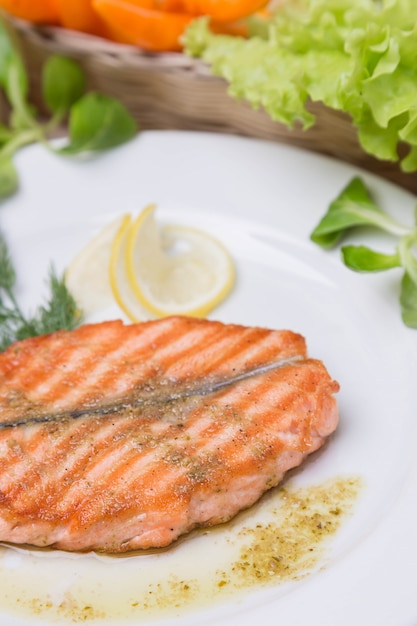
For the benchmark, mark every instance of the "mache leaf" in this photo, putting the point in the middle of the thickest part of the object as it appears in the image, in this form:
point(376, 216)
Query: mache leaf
point(353, 207)
point(363, 259)
point(408, 301)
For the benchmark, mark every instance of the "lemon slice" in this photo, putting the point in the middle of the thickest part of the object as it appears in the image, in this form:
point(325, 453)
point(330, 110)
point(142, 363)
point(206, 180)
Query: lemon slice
point(150, 271)
point(176, 269)
point(87, 275)
point(117, 275)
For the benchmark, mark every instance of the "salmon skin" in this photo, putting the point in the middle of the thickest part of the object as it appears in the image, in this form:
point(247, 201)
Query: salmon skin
point(121, 437)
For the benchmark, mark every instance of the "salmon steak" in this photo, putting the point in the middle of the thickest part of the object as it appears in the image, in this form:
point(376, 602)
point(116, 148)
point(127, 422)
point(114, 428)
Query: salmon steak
point(119, 437)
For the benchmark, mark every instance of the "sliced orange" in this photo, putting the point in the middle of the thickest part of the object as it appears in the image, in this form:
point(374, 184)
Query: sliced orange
point(140, 24)
point(80, 15)
point(42, 12)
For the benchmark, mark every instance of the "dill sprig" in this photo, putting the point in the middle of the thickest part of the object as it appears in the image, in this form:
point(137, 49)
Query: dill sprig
point(59, 312)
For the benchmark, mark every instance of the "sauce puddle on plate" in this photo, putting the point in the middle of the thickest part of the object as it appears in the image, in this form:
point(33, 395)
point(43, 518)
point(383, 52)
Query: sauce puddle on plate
point(280, 540)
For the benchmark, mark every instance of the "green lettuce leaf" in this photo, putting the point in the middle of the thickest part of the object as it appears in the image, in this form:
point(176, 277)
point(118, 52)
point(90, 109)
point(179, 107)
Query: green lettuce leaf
point(354, 56)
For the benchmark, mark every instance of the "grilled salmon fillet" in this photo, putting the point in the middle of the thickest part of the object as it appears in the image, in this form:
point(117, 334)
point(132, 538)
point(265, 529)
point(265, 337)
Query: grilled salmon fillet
point(121, 437)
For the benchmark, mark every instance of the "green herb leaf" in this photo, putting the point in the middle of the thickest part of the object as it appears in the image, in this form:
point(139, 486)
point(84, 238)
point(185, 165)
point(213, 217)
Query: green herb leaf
point(9, 58)
point(16, 84)
point(14, 81)
point(8, 176)
point(98, 122)
point(5, 134)
point(63, 83)
point(6, 52)
point(7, 272)
point(353, 207)
point(59, 312)
point(363, 259)
point(408, 301)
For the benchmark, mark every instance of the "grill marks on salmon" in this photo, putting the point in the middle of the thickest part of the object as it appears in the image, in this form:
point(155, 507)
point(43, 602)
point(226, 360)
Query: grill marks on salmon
point(152, 429)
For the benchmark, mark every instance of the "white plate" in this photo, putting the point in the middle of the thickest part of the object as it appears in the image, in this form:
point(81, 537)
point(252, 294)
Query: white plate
point(262, 200)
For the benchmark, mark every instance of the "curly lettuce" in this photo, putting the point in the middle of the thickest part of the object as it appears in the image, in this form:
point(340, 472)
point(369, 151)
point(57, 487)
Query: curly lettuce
point(355, 56)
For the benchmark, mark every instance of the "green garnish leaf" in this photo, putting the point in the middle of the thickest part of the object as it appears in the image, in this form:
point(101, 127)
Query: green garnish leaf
point(363, 259)
point(9, 57)
point(353, 207)
point(59, 312)
point(7, 271)
point(6, 53)
point(5, 134)
point(63, 83)
point(408, 301)
point(9, 181)
point(16, 82)
point(98, 122)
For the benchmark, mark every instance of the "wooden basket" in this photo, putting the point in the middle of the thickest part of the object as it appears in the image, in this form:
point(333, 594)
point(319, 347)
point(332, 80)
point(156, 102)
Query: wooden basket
point(172, 91)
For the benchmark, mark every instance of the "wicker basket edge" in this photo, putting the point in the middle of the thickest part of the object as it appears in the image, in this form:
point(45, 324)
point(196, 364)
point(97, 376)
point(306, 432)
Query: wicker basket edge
point(173, 91)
